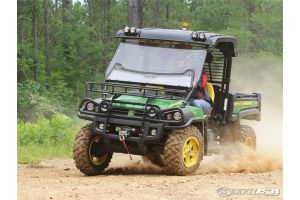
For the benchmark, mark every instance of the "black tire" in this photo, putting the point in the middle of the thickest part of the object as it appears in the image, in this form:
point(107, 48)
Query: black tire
point(247, 132)
point(231, 132)
point(83, 147)
point(173, 156)
point(155, 159)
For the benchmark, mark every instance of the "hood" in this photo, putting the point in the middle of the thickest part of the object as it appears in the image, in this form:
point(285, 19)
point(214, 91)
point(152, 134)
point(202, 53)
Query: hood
point(161, 103)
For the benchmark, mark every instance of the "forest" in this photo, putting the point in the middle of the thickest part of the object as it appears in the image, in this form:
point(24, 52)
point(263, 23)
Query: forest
point(62, 44)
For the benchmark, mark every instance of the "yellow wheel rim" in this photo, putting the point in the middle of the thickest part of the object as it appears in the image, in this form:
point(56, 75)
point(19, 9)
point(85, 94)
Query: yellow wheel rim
point(190, 151)
point(96, 160)
point(249, 142)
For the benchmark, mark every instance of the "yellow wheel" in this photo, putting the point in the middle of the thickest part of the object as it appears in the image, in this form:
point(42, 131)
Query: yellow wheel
point(190, 151)
point(96, 159)
point(247, 136)
point(183, 151)
point(249, 142)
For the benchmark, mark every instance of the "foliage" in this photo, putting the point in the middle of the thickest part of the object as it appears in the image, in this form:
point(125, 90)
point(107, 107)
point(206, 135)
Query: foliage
point(35, 100)
point(82, 33)
point(81, 44)
point(46, 137)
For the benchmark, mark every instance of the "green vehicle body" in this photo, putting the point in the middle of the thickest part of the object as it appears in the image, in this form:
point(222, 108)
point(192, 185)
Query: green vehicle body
point(145, 100)
point(161, 103)
point(165, 104)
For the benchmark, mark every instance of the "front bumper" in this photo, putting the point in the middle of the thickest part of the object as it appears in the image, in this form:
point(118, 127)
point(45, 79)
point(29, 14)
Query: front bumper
point(147, 127)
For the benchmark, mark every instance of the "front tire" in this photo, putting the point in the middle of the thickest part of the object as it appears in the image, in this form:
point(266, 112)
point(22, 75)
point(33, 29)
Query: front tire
point(183, 151)
point(89, 153)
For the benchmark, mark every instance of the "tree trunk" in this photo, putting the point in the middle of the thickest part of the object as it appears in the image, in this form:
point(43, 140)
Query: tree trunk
point(157, 12)
point(35, 40)
point(104, 31)
point(91, 23)
point(167, 12)
point(66, 6)
point(135, 13)
point(56, 5)
point(47, 67)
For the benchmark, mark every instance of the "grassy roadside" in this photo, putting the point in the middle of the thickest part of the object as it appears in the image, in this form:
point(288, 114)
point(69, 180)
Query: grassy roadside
point(47, 138)
point(32, 153)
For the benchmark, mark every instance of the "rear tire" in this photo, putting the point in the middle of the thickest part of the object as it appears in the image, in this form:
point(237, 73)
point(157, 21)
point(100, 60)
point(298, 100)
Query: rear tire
point(235, 132)
point(85, 155)
point(183, 151)
point(247, 136)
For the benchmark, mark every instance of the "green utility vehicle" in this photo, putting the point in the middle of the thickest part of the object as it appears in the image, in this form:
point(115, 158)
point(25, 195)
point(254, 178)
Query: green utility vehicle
point(142, 106)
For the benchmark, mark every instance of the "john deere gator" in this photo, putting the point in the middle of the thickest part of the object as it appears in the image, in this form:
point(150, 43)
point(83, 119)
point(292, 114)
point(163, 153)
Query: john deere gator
point(142, 106)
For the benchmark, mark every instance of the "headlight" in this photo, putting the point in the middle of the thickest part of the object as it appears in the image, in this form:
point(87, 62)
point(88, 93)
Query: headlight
point(202, 36)
point(90, 106)
point(169, 116)
point(101, 126)
point(177, 116)
point(152, 111)
point(132, 30)
point(173, 115)
point(104, 106)
point(194, 35)
point(126, 29)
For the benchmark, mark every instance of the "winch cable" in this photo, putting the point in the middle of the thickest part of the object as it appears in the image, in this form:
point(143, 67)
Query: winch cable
point(122, 140)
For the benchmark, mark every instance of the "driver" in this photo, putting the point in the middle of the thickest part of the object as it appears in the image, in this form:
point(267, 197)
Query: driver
point(201, 98)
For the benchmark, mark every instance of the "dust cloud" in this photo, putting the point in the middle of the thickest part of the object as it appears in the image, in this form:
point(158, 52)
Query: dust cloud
point(238, 158)
point(261, 74)
point(135, 166)
point(264, 75)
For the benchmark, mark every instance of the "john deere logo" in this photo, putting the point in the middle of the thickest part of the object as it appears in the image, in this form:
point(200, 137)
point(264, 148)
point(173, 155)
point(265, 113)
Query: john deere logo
point(130, 113)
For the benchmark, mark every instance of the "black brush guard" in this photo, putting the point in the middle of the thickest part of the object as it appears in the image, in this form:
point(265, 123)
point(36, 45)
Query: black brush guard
point(143, 120)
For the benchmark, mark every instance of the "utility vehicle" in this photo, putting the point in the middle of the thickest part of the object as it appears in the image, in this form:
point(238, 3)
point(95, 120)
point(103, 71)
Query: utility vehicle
point(142, 106)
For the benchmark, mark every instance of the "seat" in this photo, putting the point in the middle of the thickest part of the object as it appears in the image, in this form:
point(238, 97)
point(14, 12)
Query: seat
point(210, 90)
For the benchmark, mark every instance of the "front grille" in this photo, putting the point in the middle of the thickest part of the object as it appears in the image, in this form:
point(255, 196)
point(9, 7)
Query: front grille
point(126, 112)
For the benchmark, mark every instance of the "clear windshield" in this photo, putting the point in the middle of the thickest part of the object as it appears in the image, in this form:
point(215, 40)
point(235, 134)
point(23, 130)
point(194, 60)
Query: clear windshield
point(157, 63)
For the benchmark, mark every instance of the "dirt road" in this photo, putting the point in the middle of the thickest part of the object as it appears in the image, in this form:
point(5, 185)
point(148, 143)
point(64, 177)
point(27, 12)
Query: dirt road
point(125, 179)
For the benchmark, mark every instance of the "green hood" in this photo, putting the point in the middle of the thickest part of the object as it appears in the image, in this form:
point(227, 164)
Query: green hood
point(161, 103)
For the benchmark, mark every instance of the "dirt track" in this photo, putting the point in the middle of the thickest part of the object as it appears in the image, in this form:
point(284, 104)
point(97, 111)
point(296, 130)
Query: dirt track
point(125, 179)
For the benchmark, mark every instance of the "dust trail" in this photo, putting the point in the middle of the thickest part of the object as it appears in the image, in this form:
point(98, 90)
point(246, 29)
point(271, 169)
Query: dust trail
point(136, 166)
point(261, 74)
point(235, 158)
point(238, 158)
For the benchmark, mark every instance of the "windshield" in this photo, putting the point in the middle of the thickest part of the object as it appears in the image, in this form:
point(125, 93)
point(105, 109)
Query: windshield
point(163, 63)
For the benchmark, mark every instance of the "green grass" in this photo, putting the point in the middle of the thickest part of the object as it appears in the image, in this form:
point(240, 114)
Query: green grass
point(32, 153)
point(47, 138)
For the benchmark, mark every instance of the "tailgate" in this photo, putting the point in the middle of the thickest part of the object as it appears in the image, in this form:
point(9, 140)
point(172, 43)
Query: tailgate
point(245, 106)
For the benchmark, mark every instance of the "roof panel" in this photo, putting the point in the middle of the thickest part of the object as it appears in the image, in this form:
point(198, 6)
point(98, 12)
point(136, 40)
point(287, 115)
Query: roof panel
point(183, 36)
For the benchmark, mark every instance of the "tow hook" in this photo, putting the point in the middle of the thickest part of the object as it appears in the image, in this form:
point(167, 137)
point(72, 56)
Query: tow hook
point(122, 139)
